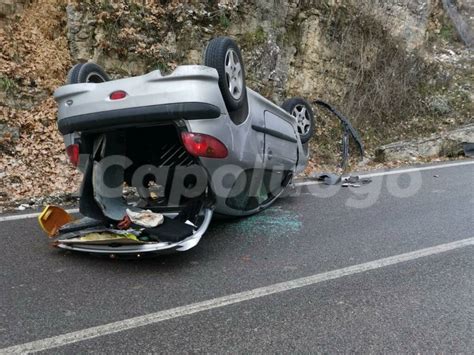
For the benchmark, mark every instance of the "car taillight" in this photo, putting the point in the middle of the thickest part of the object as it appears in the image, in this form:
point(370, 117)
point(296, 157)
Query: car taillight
point(118, 95)
point(73, 154)
point(202, 145)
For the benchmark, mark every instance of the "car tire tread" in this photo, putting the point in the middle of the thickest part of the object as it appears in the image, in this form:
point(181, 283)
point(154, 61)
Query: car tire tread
point(214, 57)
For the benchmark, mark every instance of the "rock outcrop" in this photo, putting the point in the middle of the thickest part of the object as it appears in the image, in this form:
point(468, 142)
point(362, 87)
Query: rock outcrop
point(448, 144)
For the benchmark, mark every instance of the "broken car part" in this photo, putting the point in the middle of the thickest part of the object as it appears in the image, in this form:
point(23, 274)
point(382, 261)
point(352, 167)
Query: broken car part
point(52, 218)
point(349, 131)
point(327, 178)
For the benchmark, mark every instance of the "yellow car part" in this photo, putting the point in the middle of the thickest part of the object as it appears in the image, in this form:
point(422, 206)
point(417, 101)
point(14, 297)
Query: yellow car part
point(52, 218)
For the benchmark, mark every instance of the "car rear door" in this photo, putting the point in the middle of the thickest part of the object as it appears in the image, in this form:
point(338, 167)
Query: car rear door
point(280, 143)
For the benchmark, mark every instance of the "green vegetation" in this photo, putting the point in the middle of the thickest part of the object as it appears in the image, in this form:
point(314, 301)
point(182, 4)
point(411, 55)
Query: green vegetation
point(112, 29)
point(224, 21)
point(448, 33)
point(7, 85)
point(254, 38)
point(159, 64)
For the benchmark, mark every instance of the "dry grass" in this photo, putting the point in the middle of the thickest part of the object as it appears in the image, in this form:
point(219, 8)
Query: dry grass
point(385, 90)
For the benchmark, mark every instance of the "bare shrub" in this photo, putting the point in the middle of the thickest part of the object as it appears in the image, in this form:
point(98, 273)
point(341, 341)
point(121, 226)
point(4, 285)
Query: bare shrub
point(383, 93)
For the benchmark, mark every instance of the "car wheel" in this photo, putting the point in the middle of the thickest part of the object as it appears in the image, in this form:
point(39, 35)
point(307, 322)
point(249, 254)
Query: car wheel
point(86, 73)
point(223, 54)
point(302, 111)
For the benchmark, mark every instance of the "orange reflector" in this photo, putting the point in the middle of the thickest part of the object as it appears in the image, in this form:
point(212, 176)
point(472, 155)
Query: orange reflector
point(52, 218)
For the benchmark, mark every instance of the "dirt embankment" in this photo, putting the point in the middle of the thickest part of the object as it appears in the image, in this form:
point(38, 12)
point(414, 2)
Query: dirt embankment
point(33, 62)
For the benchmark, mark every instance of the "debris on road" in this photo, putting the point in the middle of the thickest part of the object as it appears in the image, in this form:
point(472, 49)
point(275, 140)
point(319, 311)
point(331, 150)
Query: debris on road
point(350, 184)
point(327, 178)
point(52, 218)
point(334, 179)
point(145, 218)
point(23, 207)
point(355, 181)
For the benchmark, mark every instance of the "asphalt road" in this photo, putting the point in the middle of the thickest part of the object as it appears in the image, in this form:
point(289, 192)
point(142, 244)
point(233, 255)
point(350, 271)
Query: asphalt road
point(421, 304)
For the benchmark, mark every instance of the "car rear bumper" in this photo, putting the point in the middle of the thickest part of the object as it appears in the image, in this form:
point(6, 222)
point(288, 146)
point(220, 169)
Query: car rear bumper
point(137, 116)
point(190, 92)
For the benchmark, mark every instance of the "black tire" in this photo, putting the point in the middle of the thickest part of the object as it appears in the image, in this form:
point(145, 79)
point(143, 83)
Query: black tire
point(86, 73)
point(218, 51)
point(305, 119)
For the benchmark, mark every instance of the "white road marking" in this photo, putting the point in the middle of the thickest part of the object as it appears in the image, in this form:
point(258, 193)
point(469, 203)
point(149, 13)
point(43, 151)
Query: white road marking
point(399, 171)
point(306, 183)
point(423, 168)
point(16, 217)
point(153, 318)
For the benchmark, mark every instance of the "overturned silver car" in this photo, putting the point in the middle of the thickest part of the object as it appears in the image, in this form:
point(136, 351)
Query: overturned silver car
point(190, 145)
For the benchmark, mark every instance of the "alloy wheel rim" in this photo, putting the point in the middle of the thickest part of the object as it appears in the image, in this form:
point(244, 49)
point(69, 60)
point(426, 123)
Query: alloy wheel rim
point(303, 120)
point(234, 75)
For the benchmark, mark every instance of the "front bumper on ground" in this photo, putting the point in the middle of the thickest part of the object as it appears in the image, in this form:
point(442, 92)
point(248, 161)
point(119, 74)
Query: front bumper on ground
point(163, 248)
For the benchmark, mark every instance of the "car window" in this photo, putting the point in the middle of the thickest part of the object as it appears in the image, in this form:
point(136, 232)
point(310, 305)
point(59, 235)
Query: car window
point(255, 187)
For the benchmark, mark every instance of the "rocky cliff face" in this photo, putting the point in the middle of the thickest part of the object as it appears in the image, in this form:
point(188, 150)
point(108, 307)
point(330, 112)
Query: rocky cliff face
point(288, 44)
point(397, 68)
point(367, 57)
